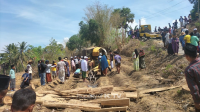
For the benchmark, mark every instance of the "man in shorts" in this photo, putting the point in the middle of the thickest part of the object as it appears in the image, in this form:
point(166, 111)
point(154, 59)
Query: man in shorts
point(117, 61)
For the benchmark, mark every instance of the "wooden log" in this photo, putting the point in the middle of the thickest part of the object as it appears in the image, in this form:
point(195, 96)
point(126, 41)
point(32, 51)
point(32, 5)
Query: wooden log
point(7, 100)
point(116, 102)
point(111, 109)
point(125, 89)
point(157, 89)
point(31, 86)
point(48, 92)
point(81, 106)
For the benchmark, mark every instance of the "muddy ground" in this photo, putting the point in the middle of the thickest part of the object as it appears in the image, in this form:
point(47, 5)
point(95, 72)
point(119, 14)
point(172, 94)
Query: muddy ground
point(162, 71)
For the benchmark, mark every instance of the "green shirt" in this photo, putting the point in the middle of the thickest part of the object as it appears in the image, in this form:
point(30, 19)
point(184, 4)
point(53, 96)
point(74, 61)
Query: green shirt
point(12, 74)
point(194, 40)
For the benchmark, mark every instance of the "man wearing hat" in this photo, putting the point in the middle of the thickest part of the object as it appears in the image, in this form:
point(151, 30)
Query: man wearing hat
point(192, 74)
point(181, 39)
point(196, 33)
point(76, 62)
point(84, 68)
point(4, 83)
point(29, 68)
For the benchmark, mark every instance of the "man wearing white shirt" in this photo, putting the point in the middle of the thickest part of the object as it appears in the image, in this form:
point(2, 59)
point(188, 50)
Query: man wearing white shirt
point(76, 62)
point(185, 29)
point(84, 68)
point(167, 38)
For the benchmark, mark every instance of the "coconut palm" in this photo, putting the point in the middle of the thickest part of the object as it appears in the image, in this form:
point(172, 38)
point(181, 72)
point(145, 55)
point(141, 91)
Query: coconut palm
point(23, 54)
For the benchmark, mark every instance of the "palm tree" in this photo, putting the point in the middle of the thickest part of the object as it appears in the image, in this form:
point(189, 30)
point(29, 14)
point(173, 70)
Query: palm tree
point(23, 54)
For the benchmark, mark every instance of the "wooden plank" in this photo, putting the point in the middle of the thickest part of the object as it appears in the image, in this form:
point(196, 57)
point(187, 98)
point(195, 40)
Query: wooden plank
point(133, 95)
point(112, 109)
point(185, 87)
point(116, 102)
point(158, 89)
point(81, 106)
point(129, 89)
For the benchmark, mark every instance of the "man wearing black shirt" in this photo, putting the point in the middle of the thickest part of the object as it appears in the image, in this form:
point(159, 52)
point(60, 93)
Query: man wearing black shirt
point(111, 60)
point(43, 72)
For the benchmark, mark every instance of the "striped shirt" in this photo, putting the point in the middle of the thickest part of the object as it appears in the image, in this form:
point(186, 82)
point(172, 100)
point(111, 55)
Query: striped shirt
point(192, 74)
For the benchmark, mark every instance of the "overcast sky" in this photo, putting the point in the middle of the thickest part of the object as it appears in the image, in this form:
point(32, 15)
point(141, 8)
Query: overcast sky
point(36, 21)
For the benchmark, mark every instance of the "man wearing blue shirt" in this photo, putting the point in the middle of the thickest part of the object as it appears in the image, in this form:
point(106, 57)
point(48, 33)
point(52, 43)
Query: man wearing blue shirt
point(12, 78)
point(25, 81)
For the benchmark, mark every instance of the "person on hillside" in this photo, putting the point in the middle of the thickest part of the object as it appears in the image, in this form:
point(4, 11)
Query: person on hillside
point(117, 61)
point(176, 24)
point(73, 65)
point(84, 68)
point(23, 100)
point(25, 80)
point(61, 68)
point(67, 70)
point(29, 70)
point(166, 39)
point(104, 65)
point(185, 21)
point(48, 71)
point(135, 58)
point(181, 21)
point(4, 83)
point(172, 31)
point(111, 60)
point(76, 62)
point(163, 37)
point(39, 71)
point(12, 78)
point(196, 33)
point(53, 70)
point(192, 74)
point(187, 38)
point(175, 44)
point(169, 25)
point(142, 64)
point(189, 18)
point(170, 49)
point(194, 40)
point(181, 39)
point(184, 29)
point(43, 72)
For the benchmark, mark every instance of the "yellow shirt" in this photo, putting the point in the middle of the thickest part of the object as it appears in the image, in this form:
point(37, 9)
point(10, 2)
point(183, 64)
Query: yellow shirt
point(108, 62)
point(187, 39)
point(53, 68)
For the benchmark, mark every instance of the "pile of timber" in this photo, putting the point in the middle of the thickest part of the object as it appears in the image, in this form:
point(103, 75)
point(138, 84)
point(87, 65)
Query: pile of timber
point(100, 99)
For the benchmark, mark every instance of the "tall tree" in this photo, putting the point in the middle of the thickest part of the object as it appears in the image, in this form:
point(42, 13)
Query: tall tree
point(23, 55)
point(75, 42)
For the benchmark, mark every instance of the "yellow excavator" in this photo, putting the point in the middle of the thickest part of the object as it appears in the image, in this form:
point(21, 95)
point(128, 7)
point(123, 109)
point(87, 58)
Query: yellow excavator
point(145, 31)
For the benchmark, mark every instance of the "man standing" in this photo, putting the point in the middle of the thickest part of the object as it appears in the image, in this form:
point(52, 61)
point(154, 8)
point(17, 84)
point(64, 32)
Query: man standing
point(42, 72)
point(192, 74)
point(187, 38)
point(185, 29)
point(117, 61)
point(111, 60)
point(181, 39)
point(76, 62)
point(29, 68)
point(84, 68)
point(39, 71)
point(12, 78)
point(196, 33)
point(172, 31)
point(48, 71)
point(181, 21)
point(176, 24)
point(166, 39)
point(61, 68)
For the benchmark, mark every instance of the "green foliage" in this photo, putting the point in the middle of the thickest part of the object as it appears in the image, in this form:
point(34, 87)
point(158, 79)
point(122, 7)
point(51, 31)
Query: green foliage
point(168, 67)
point(75, 42)
point(142, 43)
point(153, 48)
point(197, 24)
point(195, 8)
point(126, 14)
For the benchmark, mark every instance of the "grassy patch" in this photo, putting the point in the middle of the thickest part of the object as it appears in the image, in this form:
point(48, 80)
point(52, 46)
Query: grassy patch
point(153, 48)
point(168, 67)
point(142, 43)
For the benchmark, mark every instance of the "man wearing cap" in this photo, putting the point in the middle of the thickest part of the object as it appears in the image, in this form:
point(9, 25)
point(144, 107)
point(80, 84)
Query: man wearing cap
point(4, 83)
point(196, 33)
point(192, 74)
point(29, 68)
